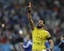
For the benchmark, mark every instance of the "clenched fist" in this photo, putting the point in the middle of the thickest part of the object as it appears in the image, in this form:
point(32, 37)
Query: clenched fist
point(29, 8)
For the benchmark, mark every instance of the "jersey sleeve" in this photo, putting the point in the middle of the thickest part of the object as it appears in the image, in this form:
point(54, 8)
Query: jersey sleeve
point(35, 28)
point(46, 33)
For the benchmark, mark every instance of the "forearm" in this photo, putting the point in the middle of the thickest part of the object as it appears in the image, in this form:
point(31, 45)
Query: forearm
point(51, 44)
point(29, 17)
point(31, 21)
point(49, 38)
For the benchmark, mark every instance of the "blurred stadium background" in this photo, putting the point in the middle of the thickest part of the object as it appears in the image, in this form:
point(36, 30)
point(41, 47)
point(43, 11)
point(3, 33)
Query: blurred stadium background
point(13, 20)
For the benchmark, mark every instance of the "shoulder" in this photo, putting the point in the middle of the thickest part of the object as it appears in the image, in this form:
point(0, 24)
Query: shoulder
point(35, 28)
point(46, 31)
point(48, 34)
point(29, 42)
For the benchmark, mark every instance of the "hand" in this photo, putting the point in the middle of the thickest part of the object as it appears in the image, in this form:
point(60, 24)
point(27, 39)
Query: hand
point(29, 5)
point(29, 8)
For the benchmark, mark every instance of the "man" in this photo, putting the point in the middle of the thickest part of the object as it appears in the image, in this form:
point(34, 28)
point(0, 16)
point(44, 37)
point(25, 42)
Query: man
point(61, 45)
point(39, 35)
point(27, 46)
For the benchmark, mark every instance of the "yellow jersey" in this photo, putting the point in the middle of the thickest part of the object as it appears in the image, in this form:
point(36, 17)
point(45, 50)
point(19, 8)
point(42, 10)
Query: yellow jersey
point(39, 39)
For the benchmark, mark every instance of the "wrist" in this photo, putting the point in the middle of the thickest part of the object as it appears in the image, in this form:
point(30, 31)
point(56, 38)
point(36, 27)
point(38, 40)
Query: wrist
point(28, 10)
point(51, 49)
point(48, 49)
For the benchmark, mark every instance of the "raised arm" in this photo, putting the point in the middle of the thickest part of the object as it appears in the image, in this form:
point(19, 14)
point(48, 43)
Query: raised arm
point(30, 17)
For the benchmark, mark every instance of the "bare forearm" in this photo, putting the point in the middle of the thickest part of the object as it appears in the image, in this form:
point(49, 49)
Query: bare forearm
point(49, 38)
point(51, 44)
point(29, 16)
point(31, 21)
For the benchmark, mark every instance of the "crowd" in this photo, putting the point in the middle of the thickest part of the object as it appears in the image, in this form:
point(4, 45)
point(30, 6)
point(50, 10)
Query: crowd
point(13, 18)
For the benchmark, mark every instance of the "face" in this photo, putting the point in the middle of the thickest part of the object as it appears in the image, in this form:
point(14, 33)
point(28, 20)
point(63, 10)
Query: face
point(40, 24)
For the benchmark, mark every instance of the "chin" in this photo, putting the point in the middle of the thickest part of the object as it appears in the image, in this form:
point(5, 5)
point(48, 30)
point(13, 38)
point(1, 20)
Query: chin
point(39, 27)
